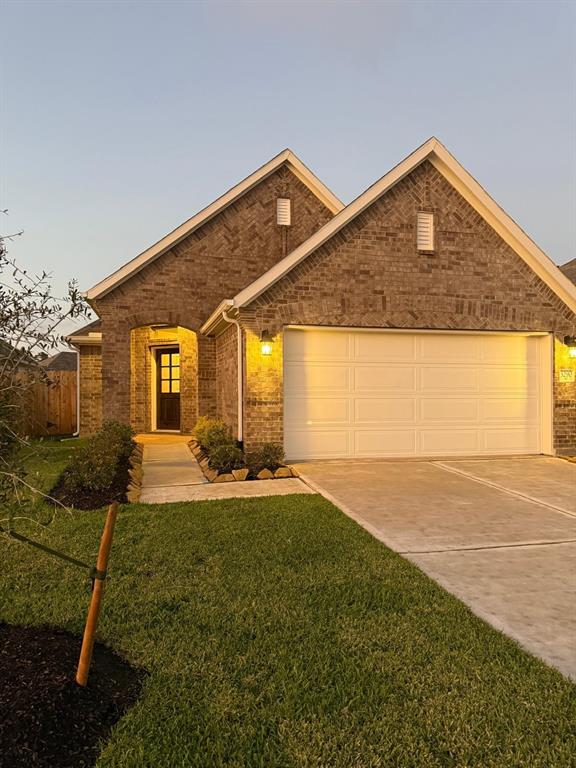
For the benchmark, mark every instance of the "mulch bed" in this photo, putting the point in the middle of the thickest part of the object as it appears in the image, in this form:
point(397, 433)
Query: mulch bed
point(46, 719)
point(84, 498)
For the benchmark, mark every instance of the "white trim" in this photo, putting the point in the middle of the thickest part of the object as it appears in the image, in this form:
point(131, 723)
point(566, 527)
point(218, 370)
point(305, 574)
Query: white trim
point(464, 332)
point(547, 395)
point(217, 317)
point(152, 348)
point(303, 173)
point(93, 338)
point(240, 375)
point(446, 164)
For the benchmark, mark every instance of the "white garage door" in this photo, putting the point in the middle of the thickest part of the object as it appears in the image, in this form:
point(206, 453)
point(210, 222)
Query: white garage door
point(374, 393)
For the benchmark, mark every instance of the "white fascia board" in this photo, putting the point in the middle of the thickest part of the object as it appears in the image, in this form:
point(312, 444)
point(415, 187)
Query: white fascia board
point(93, 338)
point(464, 183)
point(216, 318)
point(185, 229)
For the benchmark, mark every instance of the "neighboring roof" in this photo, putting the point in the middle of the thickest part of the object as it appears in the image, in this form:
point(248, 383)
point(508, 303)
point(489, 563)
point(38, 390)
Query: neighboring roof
point(437, 154)
point(569, 269)
point(287, 157)
point(61, 361)
point(88, 334)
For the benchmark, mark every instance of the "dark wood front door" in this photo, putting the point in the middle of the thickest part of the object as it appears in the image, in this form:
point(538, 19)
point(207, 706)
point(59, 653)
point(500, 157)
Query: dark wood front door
point(168, 388)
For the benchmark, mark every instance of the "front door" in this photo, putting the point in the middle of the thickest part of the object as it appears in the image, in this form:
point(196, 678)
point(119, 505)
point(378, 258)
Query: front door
point(168, 388)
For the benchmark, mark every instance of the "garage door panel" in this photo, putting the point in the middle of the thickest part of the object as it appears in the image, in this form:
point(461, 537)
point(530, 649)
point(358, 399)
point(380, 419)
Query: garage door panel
point(509, 379)
point(411, 394)
point(450, 349)
point(449, 442)
point(521, 350)
point(381, 410)
point(305, 378)
point(448, 409)
point(330, 345)
point(511, 440)
point(374, 346)
point(381, 377)
point(448, 378)
point(385, 442)
point(510, 409)
point(302, 411)
point(310, 444)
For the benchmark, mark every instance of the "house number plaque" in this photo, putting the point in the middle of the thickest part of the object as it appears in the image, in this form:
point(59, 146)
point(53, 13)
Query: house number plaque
point(566, 375)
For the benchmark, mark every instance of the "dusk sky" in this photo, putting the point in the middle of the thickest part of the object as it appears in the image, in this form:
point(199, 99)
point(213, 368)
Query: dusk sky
point(119, 120)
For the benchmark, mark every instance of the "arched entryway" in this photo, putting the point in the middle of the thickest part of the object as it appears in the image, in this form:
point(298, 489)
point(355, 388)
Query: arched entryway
point(164, 378)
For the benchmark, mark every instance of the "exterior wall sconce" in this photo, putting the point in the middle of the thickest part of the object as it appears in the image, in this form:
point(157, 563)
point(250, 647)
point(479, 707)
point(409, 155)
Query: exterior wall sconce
point(266, 342)
point(570, 342)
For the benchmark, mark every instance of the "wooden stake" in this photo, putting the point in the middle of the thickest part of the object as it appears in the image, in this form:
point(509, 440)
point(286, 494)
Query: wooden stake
point(97, 592)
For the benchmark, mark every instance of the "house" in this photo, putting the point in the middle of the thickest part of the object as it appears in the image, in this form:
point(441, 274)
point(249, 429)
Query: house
point(61, 361)
point(419, 320)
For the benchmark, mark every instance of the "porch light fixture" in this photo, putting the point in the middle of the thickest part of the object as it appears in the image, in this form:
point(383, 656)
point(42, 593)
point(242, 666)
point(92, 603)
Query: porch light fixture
point(570, 342)
point(266, 342)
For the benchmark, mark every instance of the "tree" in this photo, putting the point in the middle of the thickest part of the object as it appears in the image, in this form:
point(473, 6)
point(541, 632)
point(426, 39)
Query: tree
point(31, 318)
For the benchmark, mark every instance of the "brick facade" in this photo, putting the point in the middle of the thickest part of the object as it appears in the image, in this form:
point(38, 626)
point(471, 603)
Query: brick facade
point(227, 378)
point(371, 275)
point(90, 388)
point(184, 285)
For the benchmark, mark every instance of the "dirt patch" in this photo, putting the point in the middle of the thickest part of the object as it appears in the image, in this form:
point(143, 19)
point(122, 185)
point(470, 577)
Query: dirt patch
point(46, 719)
point(84, 498)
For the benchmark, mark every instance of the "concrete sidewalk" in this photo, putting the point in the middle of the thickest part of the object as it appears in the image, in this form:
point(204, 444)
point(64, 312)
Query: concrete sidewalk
point(172, 474)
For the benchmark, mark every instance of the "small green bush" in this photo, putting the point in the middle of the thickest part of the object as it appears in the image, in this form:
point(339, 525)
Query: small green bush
point(94, 466)
point(268, 456)
point(119, 437)
point(212, 433)
point(225, 458)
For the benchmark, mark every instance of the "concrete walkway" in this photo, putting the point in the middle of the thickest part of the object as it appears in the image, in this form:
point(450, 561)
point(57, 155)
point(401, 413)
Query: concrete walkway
point(172, 474)
point(499, 534)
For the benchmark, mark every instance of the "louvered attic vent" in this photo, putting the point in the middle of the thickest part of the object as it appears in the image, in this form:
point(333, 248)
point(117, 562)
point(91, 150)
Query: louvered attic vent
point(283, 211)
point(425, 231)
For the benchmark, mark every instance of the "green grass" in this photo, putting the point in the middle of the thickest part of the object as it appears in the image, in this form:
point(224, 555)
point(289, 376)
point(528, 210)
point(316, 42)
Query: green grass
point(278, 633)
point(46, 459)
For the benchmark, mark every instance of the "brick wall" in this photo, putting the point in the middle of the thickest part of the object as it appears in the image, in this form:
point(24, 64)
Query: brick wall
point(371, 275)
point(227, 378)
point(90, 388)
point(186, 284)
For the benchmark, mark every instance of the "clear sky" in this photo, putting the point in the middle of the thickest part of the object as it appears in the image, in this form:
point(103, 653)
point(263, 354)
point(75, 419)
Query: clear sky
point(119, 120)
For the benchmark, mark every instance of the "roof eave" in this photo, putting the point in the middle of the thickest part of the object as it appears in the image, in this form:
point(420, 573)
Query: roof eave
point(217, 323)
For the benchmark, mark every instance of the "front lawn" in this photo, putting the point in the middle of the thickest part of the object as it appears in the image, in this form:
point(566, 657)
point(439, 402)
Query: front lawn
point(278, 633)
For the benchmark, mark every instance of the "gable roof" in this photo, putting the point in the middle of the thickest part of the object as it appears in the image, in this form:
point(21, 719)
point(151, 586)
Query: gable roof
point(287, 157)
point(61, 361)
point(437, 154)
point(569, 269)
point(88, 334)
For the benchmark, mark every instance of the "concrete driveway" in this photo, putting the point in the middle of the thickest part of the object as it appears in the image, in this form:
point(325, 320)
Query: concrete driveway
point(500, 534)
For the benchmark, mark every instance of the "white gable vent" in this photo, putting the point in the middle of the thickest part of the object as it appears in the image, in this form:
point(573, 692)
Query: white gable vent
point(425, 231)
point(283, 211)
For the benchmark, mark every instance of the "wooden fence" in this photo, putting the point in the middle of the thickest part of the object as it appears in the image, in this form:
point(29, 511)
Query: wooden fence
point(52, 405)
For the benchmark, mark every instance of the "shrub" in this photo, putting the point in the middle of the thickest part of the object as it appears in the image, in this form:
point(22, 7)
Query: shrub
point(225, 458)
point(119, 437)
point(268, 456)
point(94, 466)
point(212, 433)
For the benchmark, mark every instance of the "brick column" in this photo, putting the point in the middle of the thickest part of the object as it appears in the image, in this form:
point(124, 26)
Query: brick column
point(116, 375)
point(206, 376)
